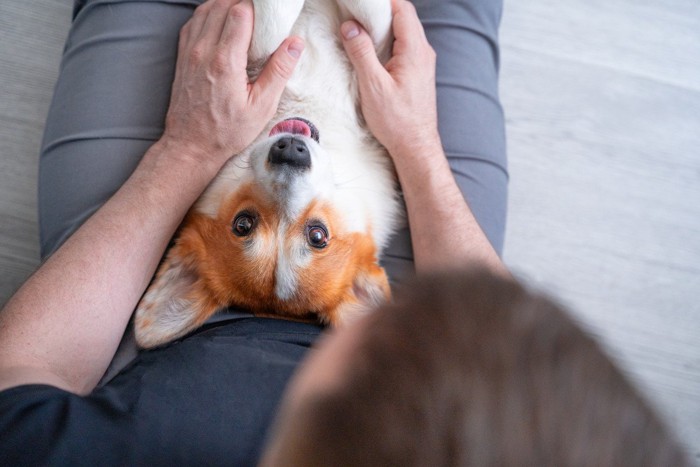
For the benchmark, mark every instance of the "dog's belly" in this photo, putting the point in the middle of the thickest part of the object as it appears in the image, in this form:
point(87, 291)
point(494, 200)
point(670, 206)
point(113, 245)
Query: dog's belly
point(324, 90)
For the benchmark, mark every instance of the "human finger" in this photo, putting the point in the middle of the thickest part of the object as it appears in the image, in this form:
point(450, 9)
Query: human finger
point(195, 24)
point(408, 30)
point(238, 31)
point(360, 50)
point(269, 86)
point(214, 22)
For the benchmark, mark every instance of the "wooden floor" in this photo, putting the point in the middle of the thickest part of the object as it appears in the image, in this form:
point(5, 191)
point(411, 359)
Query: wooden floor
point(603, 115)
point(603, 112)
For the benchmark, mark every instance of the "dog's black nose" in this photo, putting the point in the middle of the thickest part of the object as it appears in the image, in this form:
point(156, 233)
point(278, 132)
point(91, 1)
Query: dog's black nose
point(290, 151)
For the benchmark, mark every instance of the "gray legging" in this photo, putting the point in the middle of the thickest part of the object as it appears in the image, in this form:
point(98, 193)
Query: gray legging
point(113, 91)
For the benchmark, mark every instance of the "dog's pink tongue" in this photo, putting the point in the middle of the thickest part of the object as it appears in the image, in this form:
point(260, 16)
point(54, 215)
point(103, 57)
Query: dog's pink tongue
point(293, 126)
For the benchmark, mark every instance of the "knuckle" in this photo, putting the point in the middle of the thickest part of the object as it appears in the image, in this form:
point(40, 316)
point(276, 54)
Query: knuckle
point(219, 5)
point(184, 30)
point(431, 53)
point(220, 62)
point(282, 68)
point(242, 12)
point(197, 53)
point(361, 49)
point(410, 7)
point(200, 10)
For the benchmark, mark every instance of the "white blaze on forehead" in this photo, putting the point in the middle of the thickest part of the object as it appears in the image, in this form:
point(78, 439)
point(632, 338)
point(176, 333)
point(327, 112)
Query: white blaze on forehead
point(292, 257)
point(292, 192)
point(299, 193)
point(260, 247)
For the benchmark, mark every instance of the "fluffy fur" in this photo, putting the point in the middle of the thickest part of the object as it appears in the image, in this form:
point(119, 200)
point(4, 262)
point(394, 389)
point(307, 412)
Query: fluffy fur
point(348, 195)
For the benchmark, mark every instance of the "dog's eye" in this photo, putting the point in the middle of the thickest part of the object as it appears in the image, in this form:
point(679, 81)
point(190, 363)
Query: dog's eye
point(243, 224)
point(317, 236)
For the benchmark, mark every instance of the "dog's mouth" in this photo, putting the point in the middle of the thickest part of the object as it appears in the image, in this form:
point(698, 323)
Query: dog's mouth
point(296, 126)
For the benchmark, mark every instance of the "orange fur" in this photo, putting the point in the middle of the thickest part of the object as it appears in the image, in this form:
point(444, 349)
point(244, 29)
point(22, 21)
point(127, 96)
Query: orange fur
point(210, 268)
point(231, 278)
point(274, 269)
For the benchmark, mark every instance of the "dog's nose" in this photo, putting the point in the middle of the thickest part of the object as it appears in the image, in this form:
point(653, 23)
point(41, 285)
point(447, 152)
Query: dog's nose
point(290, 151)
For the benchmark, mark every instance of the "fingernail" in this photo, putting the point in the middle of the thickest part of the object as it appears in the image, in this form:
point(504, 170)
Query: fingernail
point(295, 49)
point(349, 30)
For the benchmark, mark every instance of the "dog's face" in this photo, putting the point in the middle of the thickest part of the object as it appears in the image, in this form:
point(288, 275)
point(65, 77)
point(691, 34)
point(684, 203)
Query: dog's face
point(271, 236)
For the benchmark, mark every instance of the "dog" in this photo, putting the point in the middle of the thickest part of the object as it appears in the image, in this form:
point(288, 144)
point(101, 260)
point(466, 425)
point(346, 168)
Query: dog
point(294, 225)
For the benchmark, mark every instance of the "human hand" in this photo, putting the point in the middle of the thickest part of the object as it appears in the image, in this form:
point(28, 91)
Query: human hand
point(398, 100)
point(215, 112)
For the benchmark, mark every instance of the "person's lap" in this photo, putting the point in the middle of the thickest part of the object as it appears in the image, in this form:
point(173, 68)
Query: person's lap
point(108, 107)
point(113, 90)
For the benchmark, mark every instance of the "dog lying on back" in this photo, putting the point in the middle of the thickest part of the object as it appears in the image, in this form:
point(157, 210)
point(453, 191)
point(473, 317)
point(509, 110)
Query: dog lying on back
point(294, 225)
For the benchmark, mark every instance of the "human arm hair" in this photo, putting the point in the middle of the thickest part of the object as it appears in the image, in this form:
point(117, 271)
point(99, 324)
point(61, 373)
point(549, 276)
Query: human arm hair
point(444, 232)
point(398, 101)
point(64, 324)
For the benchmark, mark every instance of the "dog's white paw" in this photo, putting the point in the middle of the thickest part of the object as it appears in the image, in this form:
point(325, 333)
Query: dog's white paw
point(375, 17)
point(274, 20)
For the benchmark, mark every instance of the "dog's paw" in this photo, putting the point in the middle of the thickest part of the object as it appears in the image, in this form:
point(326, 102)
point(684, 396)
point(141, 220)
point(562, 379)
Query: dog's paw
point(274, 20)
point(375, 16)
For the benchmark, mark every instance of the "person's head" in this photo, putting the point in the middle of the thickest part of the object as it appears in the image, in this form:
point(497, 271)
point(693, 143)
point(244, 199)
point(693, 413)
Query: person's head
point(465, 369)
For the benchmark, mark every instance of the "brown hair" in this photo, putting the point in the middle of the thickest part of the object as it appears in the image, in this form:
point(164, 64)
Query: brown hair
point(469, 369)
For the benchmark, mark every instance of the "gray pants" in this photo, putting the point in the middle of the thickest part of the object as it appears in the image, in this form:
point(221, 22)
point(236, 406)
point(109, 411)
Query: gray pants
point(113, 91)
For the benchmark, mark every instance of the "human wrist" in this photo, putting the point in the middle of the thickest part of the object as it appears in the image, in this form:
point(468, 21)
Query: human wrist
point(172, 174)
point(417, 150)
point(188, 156)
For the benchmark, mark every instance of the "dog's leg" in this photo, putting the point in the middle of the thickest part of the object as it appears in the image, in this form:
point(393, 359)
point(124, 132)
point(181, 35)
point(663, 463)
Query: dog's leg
point(274, 20)
point(375, 17)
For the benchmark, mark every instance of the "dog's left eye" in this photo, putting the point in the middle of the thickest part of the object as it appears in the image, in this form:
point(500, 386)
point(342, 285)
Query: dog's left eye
point(317, 236)
point(243, 224)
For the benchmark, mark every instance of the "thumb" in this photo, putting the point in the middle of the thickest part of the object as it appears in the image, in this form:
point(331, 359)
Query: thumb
point(360, 49)
point(279, 68)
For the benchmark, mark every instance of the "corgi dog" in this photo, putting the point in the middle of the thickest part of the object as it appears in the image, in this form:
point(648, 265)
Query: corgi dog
point(294, 225)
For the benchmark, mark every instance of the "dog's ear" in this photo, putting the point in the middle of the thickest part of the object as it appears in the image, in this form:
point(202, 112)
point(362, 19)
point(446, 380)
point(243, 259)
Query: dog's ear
point(370, 289)
point(174, 304)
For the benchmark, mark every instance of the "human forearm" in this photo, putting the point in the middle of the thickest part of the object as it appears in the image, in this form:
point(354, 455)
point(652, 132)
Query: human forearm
point(444, 232)
point(400, 107)
point(63, 326)
point(67, 320)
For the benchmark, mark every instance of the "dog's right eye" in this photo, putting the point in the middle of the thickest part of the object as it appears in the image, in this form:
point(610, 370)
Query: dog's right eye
point(243, 224)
